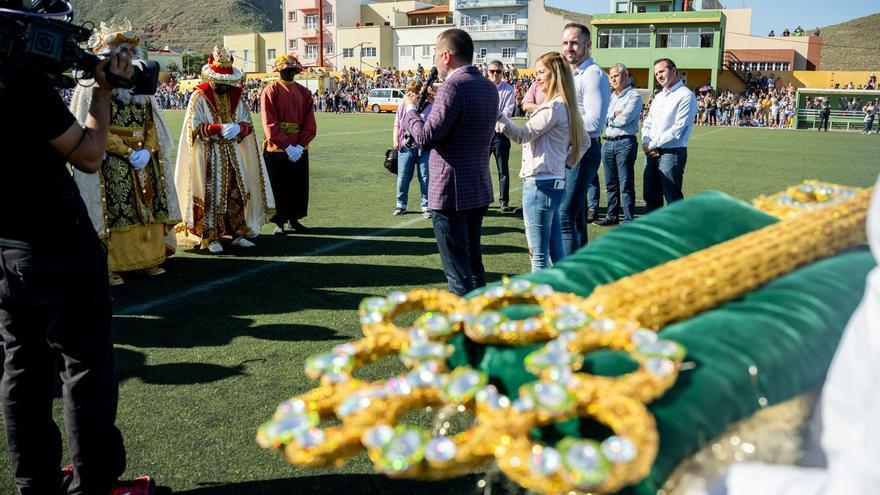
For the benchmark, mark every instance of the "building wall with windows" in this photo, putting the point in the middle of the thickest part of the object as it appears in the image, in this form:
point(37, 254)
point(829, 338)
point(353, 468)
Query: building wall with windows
point(499, 28)
point(747, 48)
point(365, 48)
point(255, 52)
point(301, 28)
point(649, 6)
point(414, 45)
point(693, 40)
point(545, 28)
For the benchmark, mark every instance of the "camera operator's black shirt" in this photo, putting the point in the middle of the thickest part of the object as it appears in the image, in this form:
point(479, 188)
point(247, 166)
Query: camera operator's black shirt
point(39, 201)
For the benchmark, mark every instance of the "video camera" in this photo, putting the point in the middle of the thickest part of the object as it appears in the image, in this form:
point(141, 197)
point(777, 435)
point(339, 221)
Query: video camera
point(31, 36)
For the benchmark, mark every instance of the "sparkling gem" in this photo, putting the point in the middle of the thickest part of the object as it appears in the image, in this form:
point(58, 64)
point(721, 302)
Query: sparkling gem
point(550, 356)
point(372, 305)
point(618, 449)
point(377, 436)
point(524, 403)
point(642, 336)
point(424, 352)
point(560, 374)
point(292, 406)
point(463, 384)
point(423, 377)
point(545, 461)
point(550, 396)
point(417, 336)
point(489, 395)
point(509, 326)
point(347, 349)
point(567, 308)
point(310, 438)
point(371, 318)
point(662, 349)
point(660, 366)
point(542, 290)
point(459, 317)
point(286, 427)
point(396, 297)
point(435, 324)
point(530, 325)
point(604, 325)
point(405, 449)
point(487, 323)
point(440, 449)
point(495, 292)
point(354, 403)
point(324, 364)
point(397, 386)
point(519, 287)
point(585, 466)
point(570, 322)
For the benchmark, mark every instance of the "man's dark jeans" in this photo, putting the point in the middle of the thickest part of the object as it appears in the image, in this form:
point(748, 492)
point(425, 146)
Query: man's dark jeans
point(500, 148)
point(664, 176)
point(55, 308)
point(571, 213)
point(458, 239)
point(620, 159)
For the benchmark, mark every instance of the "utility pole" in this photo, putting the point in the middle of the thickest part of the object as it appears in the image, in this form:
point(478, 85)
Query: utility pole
point(320, 33)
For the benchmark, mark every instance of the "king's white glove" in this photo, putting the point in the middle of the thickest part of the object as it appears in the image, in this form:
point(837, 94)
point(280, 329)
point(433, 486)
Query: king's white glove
point(294, 153)
point(229, 131)
point(139, 159)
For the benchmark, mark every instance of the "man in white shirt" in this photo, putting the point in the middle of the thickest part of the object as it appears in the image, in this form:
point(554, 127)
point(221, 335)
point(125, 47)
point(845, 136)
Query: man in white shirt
point(594, 95)
point(665, 135)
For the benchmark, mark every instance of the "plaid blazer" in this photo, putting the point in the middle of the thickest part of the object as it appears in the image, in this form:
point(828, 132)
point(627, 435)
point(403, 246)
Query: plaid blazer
point(458, 131)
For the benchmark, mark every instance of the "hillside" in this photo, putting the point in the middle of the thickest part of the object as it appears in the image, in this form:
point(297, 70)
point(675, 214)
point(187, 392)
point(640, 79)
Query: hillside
point(192, 24)
point(852, 45)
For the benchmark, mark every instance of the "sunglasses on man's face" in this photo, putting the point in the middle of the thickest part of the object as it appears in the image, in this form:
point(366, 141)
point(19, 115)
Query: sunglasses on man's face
point(495, 71)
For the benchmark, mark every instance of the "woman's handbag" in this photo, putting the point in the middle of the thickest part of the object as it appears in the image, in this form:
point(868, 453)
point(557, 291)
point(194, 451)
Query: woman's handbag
point(391, 160)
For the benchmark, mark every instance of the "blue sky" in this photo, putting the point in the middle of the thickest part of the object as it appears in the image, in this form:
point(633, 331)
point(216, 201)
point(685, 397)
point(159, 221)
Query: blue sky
point(766, 14)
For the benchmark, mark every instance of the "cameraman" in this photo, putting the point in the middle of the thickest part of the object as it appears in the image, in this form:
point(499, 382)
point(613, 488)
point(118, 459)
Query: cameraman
point(54, 293)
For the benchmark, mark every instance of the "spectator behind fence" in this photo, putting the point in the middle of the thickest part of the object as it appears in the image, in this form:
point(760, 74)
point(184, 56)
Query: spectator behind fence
point(665, 136)
point(553, 140)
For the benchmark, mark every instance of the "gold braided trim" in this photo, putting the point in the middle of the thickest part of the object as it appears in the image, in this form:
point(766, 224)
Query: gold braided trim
point(290, 127)
point(808, 196)
point(687, 286)
point(128, 132)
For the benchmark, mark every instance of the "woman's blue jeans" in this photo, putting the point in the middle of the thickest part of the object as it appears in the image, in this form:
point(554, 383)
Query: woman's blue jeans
point(407, 159)
point(541, 202)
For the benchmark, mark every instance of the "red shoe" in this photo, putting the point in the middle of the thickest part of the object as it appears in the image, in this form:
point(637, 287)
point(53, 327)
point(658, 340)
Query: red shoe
point(66, 479)
point(138, 486)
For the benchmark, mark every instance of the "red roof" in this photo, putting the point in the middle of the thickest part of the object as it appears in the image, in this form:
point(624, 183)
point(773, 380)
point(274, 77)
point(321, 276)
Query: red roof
point(440, 9)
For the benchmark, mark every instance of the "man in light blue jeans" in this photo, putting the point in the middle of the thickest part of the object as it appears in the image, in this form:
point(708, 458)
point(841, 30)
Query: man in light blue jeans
point(410, 161)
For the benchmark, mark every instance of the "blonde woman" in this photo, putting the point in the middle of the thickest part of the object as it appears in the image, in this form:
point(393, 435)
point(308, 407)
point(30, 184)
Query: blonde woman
point(553, 140)
point(411, 158)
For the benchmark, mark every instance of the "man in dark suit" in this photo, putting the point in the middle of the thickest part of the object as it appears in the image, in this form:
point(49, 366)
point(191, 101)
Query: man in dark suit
point(459, 129)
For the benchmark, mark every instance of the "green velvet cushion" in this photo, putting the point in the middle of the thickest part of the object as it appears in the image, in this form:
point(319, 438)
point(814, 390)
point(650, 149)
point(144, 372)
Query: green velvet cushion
point(787, 329)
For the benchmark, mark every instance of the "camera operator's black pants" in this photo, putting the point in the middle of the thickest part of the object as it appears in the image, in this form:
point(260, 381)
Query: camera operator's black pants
point(290, 186)
point(55, 311)
point(500, 147)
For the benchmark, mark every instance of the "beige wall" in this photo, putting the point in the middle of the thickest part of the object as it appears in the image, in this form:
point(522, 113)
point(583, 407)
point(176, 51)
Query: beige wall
point(246, 50)
point(545, 30)
point(378, 37)
point(417, 37)
point(393, 13)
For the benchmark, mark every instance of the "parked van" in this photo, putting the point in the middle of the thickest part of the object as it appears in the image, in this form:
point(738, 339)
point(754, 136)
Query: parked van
point(384, 99)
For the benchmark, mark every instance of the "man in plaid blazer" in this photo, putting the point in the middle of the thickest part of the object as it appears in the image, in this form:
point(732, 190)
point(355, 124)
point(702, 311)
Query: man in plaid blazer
point(459, 129)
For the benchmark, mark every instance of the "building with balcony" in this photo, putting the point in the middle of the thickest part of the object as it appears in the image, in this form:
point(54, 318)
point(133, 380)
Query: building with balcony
point(499, 28)
point(649, 29)
point(311, 28)
point(368, 43)
point(414, 43)
point(255, 52)
point(746, 53)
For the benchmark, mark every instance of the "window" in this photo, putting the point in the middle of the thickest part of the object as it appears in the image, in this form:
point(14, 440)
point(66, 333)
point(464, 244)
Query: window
point(246, 56)
point(291, 44)
point(484, 19)
point(508, 52)
point(625, 38)
point(328, 19)
point(508, 19)
point(621, 7)
point(397, 94)
point(311, 22)
point(328, 47)
point(685, 37)
point(405, 51)
point(427, 51)
point(483, 52)
point(466, 21)
point(311, 50)
point(291, 15)
point(641, 9)
point(448, 20)
point(232, 52)
point(348, 52)
point(368, 51)
point(664, 8)
point(270, 54)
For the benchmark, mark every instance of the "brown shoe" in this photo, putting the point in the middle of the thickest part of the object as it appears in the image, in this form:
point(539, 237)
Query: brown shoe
point(591, 216)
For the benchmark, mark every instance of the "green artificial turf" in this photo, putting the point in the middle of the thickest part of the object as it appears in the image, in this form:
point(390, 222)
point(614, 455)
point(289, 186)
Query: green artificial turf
point(207, 351)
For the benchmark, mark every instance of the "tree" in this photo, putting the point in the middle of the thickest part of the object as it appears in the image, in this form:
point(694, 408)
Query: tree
point(173, 67)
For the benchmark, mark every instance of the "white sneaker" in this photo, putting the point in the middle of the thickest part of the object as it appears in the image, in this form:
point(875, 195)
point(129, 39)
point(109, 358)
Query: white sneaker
point(242, 242)
point(215, 247)
point(252, 234)
point(277, 231)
